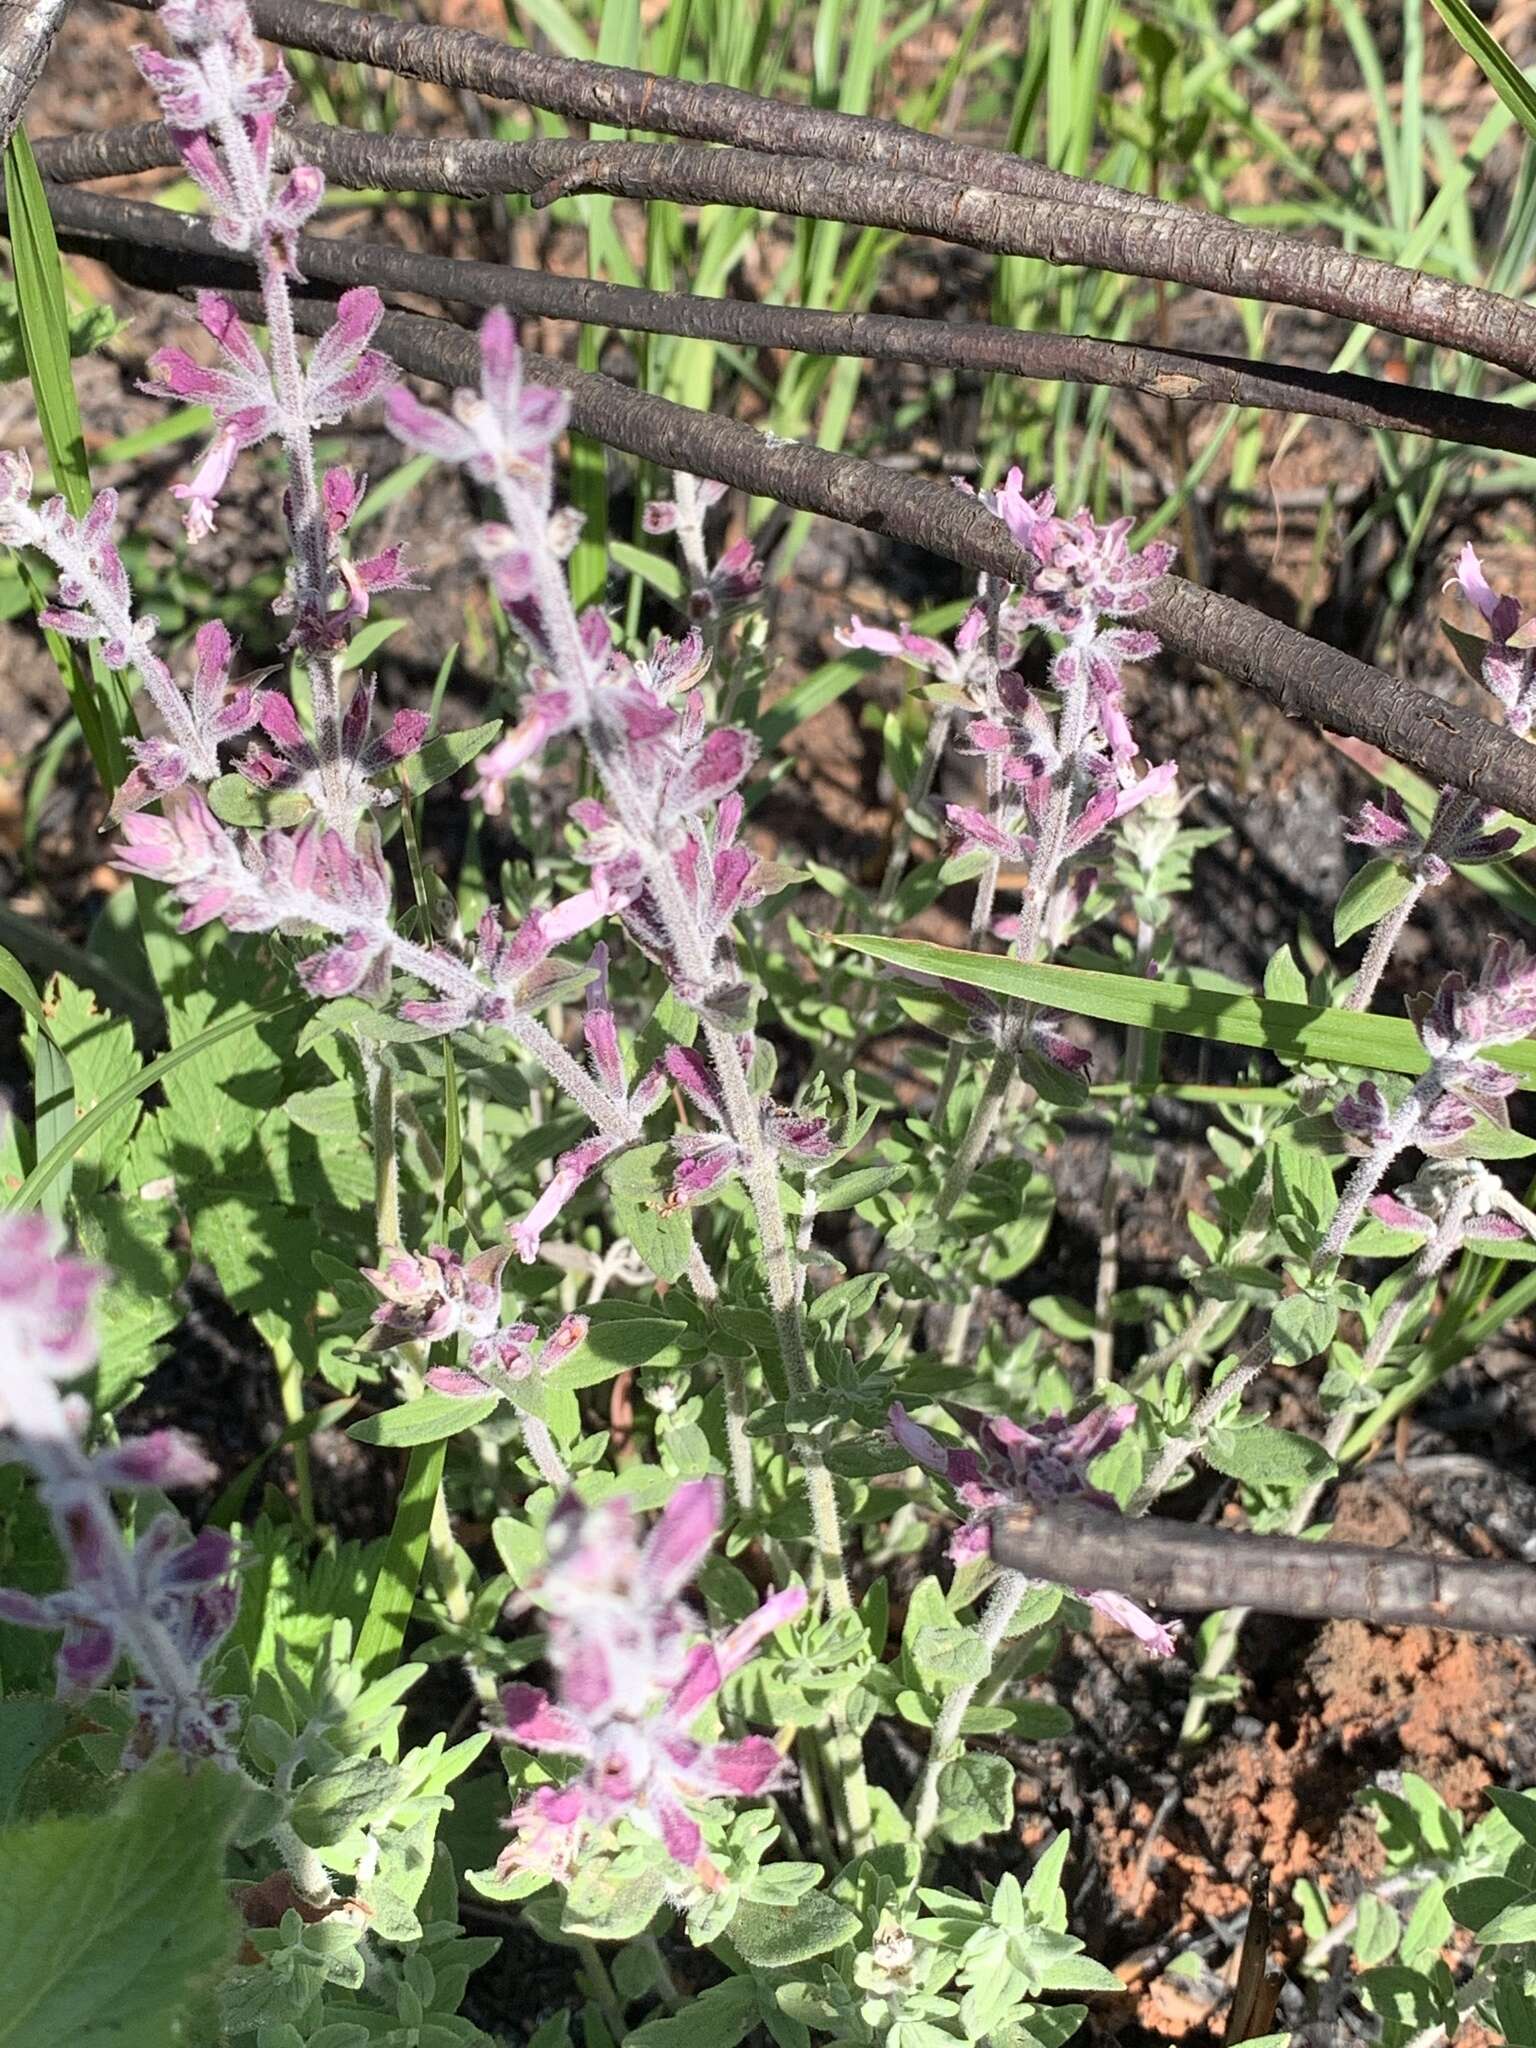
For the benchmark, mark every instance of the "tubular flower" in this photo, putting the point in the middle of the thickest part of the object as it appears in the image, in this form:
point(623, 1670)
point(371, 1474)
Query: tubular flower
point(435, 1296)
point(95, 603)
point(166, 1603)
point(707, 1159)
point(291, 762)
point(1509, 659)
point(1009, 1464)
point(633, 1678)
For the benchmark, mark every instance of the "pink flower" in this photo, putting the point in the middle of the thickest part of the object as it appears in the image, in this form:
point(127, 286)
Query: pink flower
point(503, 430)
point(633, 1678)
point(436, 1296)
point(292, 761)
point(46, 1331)
point(221, 104)
point(512, 1354)
point(1453, 840)
point(166, 1603)
point(1045, 1462)
point(1509, 662)
point(1499, 1008)
point(1451, 1203)
point(219, 712)
point(708, 1159)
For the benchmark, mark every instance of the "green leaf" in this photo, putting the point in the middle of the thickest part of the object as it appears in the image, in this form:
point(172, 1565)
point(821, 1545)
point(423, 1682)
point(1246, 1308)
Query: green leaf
point(1490, 57)
point(1261, 1455)
point(1301, 1327)
point(1292, 1031)
point(664, 1240)
point(428, 1419)
point(975, 1797)
point(861, 1185)
point(394, 1590)
point(29, 1727)
point(1377, 1928)
point(89, 327)
point(53, 1087)
point(138, 1305)
point(773, 1937)
point(238, 802)
point(1479, 1902)
point(613, 1904)
point(626, 1333)
point(194, 1049)
point(45, 321)
point(445, 756)
point(949, 1655)
point(16, 983)
point(100, 1051)
point(716, 2018)
point(45, 339)
point(327, 1808)
point(1517, 1923)
point(109, 1925)
point(1379, 887)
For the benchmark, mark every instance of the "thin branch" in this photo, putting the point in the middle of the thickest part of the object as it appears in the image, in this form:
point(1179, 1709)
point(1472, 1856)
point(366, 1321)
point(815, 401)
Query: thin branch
point(1305, 678)
point(27, 32)
point(1192, 1569)
point(1180, 374)
point(620, 98)
point(1173, 244)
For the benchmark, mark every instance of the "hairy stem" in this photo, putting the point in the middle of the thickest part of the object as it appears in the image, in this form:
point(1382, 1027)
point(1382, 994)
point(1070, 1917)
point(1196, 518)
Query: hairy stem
point(978, 1134)
point(1002, 1605)
point(1382, 946)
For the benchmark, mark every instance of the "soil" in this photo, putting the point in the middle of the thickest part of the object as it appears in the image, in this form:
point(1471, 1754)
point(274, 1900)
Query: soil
point(1168, 1847)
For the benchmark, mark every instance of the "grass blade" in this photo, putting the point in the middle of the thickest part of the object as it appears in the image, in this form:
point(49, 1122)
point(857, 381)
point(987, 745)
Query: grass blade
point(44, 321)
point(394, 1590)
point(1493, 60)
point(1291, 1031)
point(55, 1161)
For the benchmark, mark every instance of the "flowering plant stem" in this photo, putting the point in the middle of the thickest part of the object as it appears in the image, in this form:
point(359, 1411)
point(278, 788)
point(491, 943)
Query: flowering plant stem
point(1383, 944)
point(1430, 1262)
point(1003, 1604)
point(978, 1134)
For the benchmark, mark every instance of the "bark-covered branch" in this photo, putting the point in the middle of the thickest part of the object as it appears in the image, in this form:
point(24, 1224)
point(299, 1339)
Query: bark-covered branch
point(620, 98)
point(1171, 244)
point(1179, 374)
point(1190, 1569)
point(1305, 678)
point(27, 32)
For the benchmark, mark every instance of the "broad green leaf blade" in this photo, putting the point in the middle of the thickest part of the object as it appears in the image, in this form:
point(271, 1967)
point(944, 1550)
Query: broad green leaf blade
point(111, 1925)
point(1292, 1031)
point(429, 1419)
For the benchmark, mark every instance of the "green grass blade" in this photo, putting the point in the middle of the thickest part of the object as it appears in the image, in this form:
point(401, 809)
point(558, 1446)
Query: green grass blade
point(1292, 1031)
point(45, 321)
point(100, 701)
point(1491, 58)
point(394, 1590)
point(55, 1161)
point(53, 1084)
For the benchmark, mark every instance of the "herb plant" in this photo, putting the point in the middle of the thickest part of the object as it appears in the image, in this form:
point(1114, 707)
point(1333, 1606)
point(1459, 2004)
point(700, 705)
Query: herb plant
point(685, 1654)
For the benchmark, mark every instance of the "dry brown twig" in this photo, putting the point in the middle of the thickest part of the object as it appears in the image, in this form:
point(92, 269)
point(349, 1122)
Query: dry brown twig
point(408, 163)
point(1303, 677)
point(1187, 1568)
